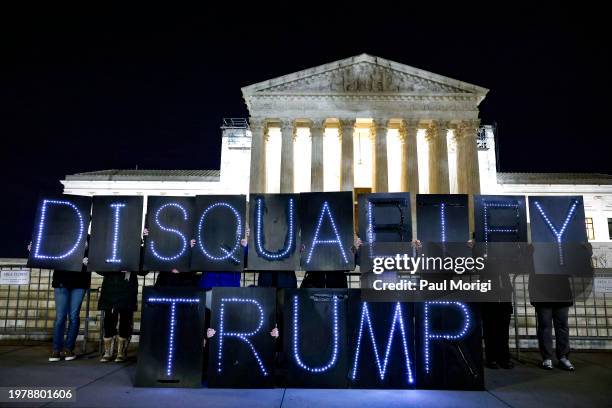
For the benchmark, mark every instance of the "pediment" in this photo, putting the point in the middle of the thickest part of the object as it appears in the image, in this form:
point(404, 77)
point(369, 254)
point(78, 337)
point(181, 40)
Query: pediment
point(363, 74)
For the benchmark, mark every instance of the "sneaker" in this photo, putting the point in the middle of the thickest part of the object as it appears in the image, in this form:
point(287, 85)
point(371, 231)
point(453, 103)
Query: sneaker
point(565, 364)
point(69, 355)
point(55, 356)
point(547, 364)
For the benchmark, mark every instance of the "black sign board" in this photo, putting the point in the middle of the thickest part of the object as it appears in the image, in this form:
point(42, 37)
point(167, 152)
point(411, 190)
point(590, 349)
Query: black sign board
point(218, 229)
point(327, 231)
point(385, 226)
point(116, 231)
point(443, 225)
point(274, 222)
point(242, 349)
point(501, 231)
point(558, 235)
point(170, 222)
point(381, 352)
point(60, 233)
point(170, 350)
point(316, 337)
point(449, 344)
point(385, 217)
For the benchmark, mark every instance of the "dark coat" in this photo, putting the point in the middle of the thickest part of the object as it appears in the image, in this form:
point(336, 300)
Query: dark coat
point(119, 293)
point(71, 280)
point(550, 291)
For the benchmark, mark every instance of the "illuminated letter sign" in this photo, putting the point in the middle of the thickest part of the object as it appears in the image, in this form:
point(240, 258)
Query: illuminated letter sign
point(316, 314)
point(385, 226)
point(443, 224)
point(559, 235)
point(242, 349)
point(116, 230)
point(392, 364)
point(218, 231)
point(498, 220)
point(172, 333)
point(327, 231)
point(59, 238)
point(170, 224)
point(274, 231)
point(449, 342)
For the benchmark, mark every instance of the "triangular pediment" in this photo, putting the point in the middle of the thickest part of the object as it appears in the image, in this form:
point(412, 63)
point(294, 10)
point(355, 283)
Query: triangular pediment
point(363, 74)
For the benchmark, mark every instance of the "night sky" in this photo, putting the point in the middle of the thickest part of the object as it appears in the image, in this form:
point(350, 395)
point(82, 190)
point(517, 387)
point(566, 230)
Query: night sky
point(83, 90)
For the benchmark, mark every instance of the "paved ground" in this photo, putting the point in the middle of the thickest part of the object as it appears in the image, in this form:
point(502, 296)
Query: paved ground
point(110, 385)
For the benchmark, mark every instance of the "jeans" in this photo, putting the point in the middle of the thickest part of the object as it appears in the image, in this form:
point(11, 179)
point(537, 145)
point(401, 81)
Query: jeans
point(547, 318)
point(67, 305)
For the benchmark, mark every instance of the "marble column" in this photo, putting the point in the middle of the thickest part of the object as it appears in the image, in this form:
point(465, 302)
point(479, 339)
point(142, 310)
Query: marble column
point(347, 129)
point(469, 131)
point(409, 177)
point(286, 175)
point(438, 158)
point(461, 160)
point(409, 180)
point(317, 131)
point(257, 181)
point(380, 179)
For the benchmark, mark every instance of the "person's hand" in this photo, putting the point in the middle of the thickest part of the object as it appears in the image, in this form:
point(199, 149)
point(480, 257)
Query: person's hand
point(274, 333)
point(145, 232)
point(470, 243)
point(243, 242)
point(210, 333)
point(174, 270)
point(30, 247)
point(358, 242)
point(417, 244)
point(192, 243)
point(85, 261)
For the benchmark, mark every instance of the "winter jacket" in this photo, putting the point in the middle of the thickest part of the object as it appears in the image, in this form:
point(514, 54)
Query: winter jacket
point(119, 291)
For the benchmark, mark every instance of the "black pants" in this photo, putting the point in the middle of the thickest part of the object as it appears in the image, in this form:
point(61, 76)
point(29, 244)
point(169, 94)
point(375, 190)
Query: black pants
point(549, 316)
point(495, 329)
point(126, 323)
point(332, 279)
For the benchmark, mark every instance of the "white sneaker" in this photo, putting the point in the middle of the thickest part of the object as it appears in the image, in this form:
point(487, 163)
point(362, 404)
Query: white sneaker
point(547, 364)
point(55, 356)
point(565, 364)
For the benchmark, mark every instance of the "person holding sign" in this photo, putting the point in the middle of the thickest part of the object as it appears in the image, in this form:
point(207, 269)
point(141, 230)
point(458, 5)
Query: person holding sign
point(174, 278)
point(118, 300)
point(330, 279)
point(210, 280)
point(69, 290)
point(552, 296)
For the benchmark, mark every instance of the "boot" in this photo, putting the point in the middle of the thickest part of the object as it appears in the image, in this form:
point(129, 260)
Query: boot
point(122, 346)
point(108, 349)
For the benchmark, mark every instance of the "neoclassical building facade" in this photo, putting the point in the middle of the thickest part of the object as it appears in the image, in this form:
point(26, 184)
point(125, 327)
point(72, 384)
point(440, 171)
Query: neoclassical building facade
point(371, 96)
point(360, 124)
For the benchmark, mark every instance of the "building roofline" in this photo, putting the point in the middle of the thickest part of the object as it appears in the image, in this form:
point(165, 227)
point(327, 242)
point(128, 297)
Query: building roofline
point(554, 178)
point(146, 175)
